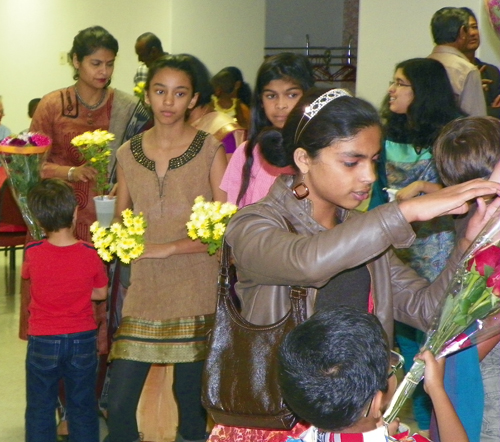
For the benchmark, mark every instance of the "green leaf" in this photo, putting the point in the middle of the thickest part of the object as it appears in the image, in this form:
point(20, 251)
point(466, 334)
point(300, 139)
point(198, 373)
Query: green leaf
point(465, 305)
point(448, 306)
point(477, 291)
point(461, 319)
point(488, 271)
point(482, 311)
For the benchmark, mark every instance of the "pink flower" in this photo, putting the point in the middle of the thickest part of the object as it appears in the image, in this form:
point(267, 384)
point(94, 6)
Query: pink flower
point(494, 282)
point(39, 140)
point(489, 256)
point(27, 139)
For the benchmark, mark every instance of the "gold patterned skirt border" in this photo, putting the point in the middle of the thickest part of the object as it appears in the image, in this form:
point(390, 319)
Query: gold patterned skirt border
point(162, 342)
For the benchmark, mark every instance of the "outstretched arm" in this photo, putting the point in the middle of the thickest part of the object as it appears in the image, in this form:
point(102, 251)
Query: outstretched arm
point(416, 188)
point(451, 200)
point(449, 426)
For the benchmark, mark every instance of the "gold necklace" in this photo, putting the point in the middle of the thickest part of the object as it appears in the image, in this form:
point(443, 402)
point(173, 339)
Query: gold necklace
point(90, 107)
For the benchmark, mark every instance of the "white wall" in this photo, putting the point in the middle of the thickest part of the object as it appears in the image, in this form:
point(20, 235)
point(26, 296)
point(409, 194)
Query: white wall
point(391, 31)
point(34, 33)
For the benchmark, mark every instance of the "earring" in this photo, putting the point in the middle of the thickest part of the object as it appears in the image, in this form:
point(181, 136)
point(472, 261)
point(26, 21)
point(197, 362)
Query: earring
point(304, 189)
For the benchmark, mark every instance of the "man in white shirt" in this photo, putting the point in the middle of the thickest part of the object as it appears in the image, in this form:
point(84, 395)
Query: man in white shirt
point(450, 30)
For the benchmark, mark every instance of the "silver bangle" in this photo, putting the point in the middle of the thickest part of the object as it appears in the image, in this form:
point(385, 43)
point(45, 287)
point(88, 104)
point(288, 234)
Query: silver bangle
point(70, 173)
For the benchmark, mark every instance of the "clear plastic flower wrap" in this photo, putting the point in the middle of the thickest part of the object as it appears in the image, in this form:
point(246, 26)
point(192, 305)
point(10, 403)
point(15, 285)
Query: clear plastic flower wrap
point(21, 156)
point(468, 311)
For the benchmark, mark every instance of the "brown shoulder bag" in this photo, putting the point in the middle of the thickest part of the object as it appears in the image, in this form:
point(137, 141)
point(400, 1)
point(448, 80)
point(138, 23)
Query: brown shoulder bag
point(240, 378)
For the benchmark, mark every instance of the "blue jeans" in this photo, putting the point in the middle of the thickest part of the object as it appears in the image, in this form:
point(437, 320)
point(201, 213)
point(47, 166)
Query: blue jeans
point(73, 358)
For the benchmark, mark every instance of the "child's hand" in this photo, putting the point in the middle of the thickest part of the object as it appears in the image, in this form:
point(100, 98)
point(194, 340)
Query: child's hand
point(416, 188)
point(410, 191)
point(84, 173)
point(393, 427)
point(434, 371)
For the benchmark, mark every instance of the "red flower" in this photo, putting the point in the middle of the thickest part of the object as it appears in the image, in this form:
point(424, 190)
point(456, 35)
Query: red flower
point(489, 256)
point(17, 142)
point(494, 282)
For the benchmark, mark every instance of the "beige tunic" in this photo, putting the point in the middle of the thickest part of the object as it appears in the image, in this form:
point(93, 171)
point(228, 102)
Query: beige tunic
point(170, 302)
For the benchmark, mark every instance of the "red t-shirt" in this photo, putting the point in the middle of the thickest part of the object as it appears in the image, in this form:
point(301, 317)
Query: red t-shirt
point(62, 279)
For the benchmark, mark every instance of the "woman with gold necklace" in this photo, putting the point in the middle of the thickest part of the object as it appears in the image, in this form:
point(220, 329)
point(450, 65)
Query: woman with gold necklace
point(87, 105)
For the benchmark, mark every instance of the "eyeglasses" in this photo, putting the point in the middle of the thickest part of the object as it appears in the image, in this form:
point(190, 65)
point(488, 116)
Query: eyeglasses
point(398, 83)
point(397, 361)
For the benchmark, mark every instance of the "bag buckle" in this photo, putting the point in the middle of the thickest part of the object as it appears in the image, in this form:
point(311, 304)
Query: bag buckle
point(297, 292)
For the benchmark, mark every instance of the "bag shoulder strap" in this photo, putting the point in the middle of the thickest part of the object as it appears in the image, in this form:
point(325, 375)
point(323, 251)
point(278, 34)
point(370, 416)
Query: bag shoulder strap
point(296, 292)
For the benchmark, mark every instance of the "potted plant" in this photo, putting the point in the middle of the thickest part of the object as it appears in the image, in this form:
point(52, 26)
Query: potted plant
point(94, 147)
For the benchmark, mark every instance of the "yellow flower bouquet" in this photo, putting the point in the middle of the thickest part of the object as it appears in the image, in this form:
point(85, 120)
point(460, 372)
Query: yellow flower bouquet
point(139, 90)
point(126, 240)
point(208, 222)
point(94, 147)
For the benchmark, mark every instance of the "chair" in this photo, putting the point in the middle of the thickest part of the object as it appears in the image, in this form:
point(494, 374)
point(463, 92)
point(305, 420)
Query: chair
point(12, 234)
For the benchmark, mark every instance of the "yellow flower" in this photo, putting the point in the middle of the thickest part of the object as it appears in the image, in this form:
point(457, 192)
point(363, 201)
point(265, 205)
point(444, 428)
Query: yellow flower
point(208, 221)
point(126, 243)
point(94, 226)
point(137, 251)
point(219, 229)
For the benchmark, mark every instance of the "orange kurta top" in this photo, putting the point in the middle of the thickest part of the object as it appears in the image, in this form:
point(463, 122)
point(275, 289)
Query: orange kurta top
point(61, 117)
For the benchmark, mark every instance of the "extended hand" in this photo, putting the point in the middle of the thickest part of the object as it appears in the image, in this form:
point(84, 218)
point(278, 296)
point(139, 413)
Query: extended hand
point(477, 221)
point(113, 190)
point(416, 188)
point(448, 201)
point(434, 371)
point(84, 173)
point(156, 251)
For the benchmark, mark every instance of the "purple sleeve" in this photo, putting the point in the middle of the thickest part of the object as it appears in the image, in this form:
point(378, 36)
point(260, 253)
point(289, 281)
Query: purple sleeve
point(229, 143)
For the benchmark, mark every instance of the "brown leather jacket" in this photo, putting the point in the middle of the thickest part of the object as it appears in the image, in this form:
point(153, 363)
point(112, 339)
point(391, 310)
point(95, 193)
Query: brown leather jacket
point(269, 258)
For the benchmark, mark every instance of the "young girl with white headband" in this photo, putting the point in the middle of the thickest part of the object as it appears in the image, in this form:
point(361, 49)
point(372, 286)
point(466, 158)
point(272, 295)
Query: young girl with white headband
point(342, 256)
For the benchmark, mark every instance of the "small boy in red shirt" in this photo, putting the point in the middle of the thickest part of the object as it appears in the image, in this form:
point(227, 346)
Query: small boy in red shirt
point(66, 275)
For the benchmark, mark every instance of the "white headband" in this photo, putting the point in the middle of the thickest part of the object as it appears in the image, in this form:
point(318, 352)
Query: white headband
point(320, 102)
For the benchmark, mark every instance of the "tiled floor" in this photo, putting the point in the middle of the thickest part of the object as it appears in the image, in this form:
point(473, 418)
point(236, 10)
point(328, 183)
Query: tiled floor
point(12, 356)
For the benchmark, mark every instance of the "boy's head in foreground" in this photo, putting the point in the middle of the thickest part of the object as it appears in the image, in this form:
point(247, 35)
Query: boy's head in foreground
point(334, 369)
point(467, 148)
point(53, 203)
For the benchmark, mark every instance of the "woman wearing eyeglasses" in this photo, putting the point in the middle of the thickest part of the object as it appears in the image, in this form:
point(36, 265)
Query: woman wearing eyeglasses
point(420, 101)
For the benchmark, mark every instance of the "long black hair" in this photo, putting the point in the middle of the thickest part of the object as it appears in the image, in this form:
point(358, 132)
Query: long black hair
point(433, 106)
point(284, 66)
